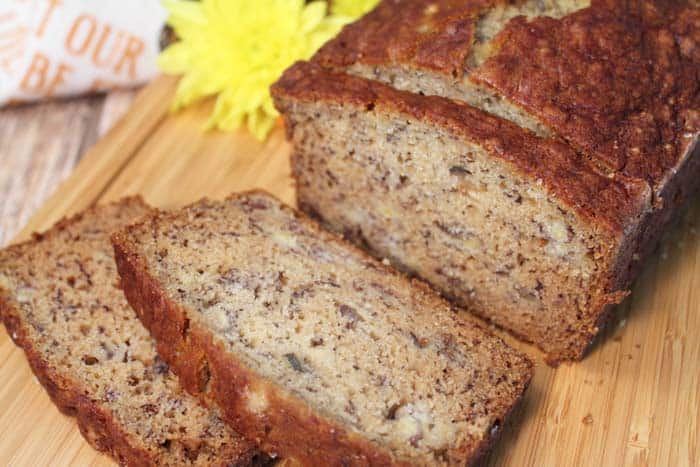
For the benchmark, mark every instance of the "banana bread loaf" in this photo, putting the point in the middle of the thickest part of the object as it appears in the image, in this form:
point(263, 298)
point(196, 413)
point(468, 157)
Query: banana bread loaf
point(500, 201)
point(60, 302)
point(310, 347)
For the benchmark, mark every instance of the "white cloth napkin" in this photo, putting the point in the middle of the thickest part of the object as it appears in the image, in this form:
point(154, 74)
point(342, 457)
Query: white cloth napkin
point(56, 48)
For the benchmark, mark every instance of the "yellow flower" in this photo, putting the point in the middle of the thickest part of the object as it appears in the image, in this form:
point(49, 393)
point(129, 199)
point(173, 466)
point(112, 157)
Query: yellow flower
point(352, 8)
point(237, 49)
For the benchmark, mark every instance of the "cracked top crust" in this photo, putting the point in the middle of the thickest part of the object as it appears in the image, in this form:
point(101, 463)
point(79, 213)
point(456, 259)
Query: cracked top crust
point(619, 80)
point(431, 34)
point(622, 85)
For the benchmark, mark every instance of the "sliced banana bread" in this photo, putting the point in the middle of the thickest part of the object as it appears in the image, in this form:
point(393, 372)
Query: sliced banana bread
point(490, 206)
point(516, 227)
point(309, 346)
point(617, 80)
point(60, 301)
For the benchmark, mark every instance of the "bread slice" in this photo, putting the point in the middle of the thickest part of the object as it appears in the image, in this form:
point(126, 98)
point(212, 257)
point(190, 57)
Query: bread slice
point(310, 347)
point(519, 229)
point(60, 301)
point(491, 207)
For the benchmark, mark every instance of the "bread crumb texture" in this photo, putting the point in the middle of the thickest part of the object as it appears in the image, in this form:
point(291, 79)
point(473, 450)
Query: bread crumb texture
point(61, 301)
point(362, 347)
point(524, 157)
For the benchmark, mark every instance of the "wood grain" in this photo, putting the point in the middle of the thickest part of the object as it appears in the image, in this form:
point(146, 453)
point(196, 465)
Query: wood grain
point(634, 401)
point(40, 144)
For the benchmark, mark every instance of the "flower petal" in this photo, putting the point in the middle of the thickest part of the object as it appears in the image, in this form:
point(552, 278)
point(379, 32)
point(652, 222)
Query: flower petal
point(237, 49)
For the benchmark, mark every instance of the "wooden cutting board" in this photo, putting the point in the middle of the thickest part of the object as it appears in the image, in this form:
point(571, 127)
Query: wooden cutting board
point(635, 400)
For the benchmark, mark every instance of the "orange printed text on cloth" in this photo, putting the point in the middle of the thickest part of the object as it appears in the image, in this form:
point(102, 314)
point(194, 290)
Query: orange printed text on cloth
point(52, 48)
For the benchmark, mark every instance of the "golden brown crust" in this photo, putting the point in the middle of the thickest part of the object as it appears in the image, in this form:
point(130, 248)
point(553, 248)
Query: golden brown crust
point(288, 427)
point(621, 82)
point(413, 32)
point(615, 203)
